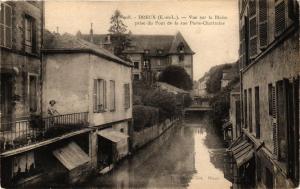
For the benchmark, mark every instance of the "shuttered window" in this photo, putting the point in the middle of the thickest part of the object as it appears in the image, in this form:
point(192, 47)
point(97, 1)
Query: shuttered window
point(280, 19)
point(99, 95)
point(250, 110)
point(126, 96)
point(270, 98)
point(5, 25)
point(263, 23)
point(112, 96)
point(30, 34)
point(252, 28)
point(293, 9)
point(245, 109)
point(274, 122)
point(257, 113)
point(33, 93)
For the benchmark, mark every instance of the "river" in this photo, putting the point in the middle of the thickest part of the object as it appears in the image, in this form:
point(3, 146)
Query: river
point(189, 155)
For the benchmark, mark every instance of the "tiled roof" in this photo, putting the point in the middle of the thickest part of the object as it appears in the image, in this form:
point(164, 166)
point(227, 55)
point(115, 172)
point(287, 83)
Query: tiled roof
point(167, 43)
point(69, 43)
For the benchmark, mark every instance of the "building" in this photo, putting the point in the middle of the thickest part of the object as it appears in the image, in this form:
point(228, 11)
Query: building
point(232, 128)
point(22, 25)
point(21, 31)
point(150, 54)
point(200, 87)
point(267, 154)
point(82, 77)
point(229, 75)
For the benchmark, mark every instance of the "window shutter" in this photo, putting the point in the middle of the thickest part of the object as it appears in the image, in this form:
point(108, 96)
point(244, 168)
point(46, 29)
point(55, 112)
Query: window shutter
point(252, 28)
point(8, 26)
point(279, 17)
point(274, 123)
point(95, 95)
point(263, 23)
point(2, 24)
point(34, 36)
point(293, 10)
point(104, 95)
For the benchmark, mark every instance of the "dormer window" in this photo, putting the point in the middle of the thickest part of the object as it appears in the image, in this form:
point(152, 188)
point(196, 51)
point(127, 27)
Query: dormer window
point(180, 48)
point(159, 51)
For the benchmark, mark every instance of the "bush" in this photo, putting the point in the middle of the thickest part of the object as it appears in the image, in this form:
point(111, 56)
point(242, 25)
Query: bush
point(187, 100)
point(144, 116)
point(58, 130)
point(165, 101)
point(176, 76)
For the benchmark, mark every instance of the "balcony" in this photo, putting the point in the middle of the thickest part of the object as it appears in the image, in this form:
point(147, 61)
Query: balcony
point(26, 132)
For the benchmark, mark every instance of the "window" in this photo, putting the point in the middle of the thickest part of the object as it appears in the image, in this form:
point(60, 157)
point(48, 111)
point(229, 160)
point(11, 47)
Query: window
point(126, 96)
point(136, 77)
point(245, 109)
point(147, 64)
point(146, 51)
point(279, 17)
point(257, 113)
point(32, 93)
point(281, 120)
point(263, 24)
point(269, 179)
point(180, 48)
point(99, 95)
point(112, 95)
point(30, 37)
point(5, 25)
point(159, 51)
point(181, 57)
point(252, 28)
point(270, 98)
point(250, 109)
point(136, 65)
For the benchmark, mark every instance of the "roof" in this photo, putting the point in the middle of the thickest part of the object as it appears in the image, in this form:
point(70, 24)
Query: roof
point(67, 43)
point(171, 88)
point(114, 136)
point(167, 43)
point(71, 155)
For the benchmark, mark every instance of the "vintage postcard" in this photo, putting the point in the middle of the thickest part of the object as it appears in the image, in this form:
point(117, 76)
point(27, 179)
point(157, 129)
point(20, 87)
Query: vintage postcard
point(149, 94)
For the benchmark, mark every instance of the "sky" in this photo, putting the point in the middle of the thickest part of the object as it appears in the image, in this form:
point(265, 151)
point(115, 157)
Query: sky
point(213, 44)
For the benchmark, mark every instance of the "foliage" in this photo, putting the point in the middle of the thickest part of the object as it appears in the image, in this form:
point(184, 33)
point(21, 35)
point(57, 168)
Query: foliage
point(187, 100)
point(119, 38)
point(61, 129)
point(176, 76)
point(165, 101)
point(220, 104)
point(213, 84)
point(144, 116)
point(117, 23)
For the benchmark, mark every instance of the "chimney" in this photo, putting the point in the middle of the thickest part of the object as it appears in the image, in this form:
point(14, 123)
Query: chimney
point(91, 34)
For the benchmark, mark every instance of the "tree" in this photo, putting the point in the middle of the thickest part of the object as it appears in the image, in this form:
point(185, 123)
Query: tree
point(119, 38)
point(176, 76)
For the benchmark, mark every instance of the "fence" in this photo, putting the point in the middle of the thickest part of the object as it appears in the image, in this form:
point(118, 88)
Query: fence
point(21, 133)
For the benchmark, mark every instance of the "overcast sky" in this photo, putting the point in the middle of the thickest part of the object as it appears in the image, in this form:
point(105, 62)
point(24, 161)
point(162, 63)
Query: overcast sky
point(213, 44)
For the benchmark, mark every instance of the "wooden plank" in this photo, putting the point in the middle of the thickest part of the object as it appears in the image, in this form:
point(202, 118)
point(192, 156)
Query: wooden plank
point(71, 156)
point(43, 143)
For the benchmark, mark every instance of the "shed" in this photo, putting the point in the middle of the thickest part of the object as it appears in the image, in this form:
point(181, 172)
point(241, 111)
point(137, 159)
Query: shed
point(74, 159)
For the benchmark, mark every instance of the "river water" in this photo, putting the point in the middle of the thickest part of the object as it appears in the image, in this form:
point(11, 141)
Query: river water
point(189, 155)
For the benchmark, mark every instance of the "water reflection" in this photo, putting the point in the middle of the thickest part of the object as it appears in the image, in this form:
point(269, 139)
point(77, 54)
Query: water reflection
point(189, 155)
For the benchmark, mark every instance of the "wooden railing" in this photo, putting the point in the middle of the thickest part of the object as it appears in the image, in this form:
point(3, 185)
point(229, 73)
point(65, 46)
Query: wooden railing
point(25, 132)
